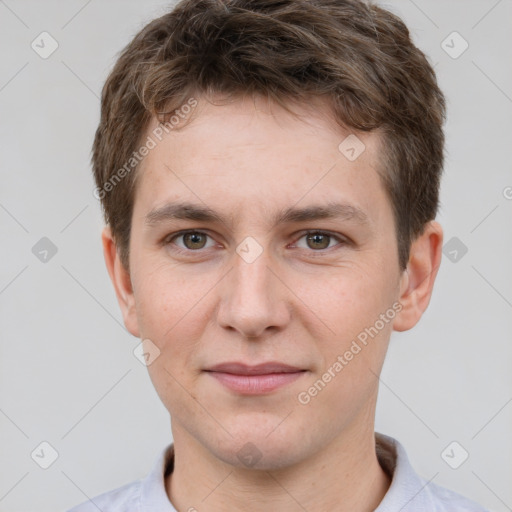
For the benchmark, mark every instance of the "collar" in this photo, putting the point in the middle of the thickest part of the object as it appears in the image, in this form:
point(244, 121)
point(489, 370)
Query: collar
point(408, 492)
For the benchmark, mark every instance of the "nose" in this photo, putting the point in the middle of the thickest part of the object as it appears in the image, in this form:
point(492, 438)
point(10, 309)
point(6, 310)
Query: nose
point(253, 299)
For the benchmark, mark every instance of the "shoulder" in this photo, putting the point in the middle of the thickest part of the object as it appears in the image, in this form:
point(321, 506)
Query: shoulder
point(143, 495)
point(409, 492)
point(446, 500)
point(122, 499)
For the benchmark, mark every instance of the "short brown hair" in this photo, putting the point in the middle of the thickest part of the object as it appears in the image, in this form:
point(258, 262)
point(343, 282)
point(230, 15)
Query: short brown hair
point(355, 54)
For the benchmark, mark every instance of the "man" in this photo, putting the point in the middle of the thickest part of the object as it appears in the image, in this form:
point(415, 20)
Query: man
point(269, 173)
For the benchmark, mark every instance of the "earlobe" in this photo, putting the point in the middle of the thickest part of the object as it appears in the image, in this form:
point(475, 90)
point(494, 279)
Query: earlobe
point(120, 278)
point(417, 281)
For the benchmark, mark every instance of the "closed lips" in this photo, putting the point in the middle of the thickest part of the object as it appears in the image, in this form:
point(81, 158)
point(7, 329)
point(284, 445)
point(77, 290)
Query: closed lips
point(236, 368)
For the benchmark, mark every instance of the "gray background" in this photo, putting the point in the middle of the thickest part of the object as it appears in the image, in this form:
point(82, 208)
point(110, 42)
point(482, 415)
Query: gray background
point(67, 372)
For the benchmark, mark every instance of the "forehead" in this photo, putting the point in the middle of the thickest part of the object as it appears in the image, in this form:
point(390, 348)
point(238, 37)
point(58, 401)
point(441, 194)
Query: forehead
point(252, 157)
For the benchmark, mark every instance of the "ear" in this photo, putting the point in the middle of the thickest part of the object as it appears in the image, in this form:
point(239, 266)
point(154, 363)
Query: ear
point(121, 280)
point(417, 281)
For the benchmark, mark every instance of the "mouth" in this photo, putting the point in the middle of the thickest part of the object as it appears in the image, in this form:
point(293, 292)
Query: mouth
point(254, 379)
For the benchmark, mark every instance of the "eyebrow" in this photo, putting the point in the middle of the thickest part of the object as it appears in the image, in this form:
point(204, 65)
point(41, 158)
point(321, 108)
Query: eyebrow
point(197, 212)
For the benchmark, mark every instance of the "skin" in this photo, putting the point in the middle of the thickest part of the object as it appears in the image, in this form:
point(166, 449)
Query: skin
point(297, 302)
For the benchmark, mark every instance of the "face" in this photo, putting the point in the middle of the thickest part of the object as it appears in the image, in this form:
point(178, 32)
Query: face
point(289, 262)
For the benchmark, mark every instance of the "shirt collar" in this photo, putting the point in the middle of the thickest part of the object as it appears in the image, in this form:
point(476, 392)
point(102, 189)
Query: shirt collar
point(153, 496)
point(407, 492)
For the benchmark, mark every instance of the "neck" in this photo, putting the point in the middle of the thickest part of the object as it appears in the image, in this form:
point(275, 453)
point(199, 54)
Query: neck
point(344, 476)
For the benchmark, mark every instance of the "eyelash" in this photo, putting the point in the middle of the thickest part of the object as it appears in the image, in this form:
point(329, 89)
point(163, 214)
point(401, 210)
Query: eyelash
point(169, 240)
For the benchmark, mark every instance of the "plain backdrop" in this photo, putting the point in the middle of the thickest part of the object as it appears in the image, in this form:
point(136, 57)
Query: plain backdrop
point(68, 376)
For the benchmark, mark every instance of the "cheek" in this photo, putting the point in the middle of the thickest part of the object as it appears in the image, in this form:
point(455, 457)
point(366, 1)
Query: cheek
point(165, 299)
point(171, 314)
point(347, 299)
point(358, 310)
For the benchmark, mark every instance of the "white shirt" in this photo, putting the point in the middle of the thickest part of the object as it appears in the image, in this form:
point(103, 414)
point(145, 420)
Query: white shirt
point(408, 492)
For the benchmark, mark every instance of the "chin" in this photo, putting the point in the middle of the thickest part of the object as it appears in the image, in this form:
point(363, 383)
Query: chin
point(255, 448)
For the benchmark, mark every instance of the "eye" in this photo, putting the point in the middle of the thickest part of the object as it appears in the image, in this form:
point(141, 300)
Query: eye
point(320, 240)
point(192, 240)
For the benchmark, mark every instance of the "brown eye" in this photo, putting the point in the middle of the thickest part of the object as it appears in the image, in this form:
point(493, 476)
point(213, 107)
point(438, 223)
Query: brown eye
point(318, 240)
point(189, 241)
point(194, 240)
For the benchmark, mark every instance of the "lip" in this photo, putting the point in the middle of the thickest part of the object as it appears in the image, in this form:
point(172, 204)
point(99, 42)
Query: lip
point(254, 379)
point(237, 368)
